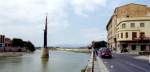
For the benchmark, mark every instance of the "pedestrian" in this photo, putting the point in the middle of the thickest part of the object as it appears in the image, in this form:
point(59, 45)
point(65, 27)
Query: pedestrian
point(121, 50)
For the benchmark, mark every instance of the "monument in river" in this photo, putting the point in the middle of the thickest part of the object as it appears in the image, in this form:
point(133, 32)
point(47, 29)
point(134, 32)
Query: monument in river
point(45, 51)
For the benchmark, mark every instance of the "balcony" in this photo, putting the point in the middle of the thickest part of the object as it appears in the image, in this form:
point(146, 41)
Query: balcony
point(142, 39)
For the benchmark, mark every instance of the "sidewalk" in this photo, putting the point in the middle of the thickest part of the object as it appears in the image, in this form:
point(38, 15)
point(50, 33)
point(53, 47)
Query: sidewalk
point(142, 57)
point(136, 55)
point(96, 67)
point(99, 66)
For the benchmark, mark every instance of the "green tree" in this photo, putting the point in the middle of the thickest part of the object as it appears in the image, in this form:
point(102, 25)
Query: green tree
point(29, 46)
point(16, 42)
point(99, 44)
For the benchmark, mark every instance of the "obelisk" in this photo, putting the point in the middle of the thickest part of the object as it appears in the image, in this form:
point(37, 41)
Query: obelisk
point(45, 51)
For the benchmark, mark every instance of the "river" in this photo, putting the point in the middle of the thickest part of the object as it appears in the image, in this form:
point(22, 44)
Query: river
point(59, 61)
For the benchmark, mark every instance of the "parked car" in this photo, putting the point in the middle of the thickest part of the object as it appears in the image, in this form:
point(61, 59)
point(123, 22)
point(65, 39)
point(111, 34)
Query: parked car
point(105, 52)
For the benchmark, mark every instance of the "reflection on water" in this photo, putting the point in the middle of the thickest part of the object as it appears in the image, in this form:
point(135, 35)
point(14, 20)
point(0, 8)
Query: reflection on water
point(44, 62)
point(58, 61)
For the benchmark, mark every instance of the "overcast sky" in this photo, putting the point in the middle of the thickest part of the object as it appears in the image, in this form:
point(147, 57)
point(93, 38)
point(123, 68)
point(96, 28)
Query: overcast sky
point(69, 21)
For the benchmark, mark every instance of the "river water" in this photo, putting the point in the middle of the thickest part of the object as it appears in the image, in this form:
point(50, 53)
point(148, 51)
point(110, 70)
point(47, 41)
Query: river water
point(59, 61)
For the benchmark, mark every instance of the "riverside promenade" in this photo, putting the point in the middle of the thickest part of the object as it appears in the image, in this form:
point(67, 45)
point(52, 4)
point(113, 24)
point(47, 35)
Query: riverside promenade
point(90, 65)
point(121, 62)
point(95, 64)
point(11, 54)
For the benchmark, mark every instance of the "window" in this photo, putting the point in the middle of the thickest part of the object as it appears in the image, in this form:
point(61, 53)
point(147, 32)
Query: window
point(141, 24)
point(133, 47)
point(126, 34)
point(6, 45)
point(132, 25)
point(134, 35)
point(2, 39)
point(1, 45)
point(123, 25)
point(142, 34)
point(143, 47)
point(121, 35)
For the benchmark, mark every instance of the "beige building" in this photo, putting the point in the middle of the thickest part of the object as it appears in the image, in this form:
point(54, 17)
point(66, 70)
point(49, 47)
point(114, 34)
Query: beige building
point(128, 28)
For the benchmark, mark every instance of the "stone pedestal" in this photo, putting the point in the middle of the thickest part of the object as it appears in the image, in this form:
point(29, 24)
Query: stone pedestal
point(45, 53)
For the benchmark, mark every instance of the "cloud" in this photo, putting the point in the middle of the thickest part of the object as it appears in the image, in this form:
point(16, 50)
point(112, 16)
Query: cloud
point(31, 10)
point(25, 18)
point(83, 6)
point(93, 34)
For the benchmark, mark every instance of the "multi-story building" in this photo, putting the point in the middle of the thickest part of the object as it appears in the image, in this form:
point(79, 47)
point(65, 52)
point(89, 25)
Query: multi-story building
point(8, 42)
point(128, 28)
point(2, 40)
point(5, 43)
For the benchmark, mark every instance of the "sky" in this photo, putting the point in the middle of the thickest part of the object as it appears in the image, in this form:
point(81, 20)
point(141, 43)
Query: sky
point(70, 22)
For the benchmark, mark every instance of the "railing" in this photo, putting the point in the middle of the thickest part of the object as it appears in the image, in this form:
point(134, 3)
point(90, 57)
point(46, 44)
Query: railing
point(90, 66)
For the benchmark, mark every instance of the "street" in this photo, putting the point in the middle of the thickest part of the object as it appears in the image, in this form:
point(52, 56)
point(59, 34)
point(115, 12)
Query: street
point(126, 63)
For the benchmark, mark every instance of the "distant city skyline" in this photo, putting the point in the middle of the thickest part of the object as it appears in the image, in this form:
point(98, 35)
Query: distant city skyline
point(69, 21)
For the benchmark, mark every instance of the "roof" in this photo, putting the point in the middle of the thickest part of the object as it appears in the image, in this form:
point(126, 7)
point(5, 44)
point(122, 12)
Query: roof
point(132, 4)
point(116, 10)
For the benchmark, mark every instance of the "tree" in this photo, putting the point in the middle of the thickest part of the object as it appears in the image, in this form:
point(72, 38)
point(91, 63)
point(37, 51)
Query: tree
point(29, 46)
point(99, 44)
point(16, 42)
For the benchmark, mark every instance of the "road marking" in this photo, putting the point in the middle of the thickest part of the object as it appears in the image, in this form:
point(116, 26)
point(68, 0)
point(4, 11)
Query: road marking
point(112, 66)
point(105, 62)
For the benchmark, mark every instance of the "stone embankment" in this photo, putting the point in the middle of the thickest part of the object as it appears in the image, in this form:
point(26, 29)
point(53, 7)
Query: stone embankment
point(86, 50)
point(11, 54)
point(90, 66)
point(95, 64)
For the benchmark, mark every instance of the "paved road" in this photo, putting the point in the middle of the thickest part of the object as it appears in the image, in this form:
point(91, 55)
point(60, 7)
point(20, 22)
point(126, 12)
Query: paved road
point(126, 63)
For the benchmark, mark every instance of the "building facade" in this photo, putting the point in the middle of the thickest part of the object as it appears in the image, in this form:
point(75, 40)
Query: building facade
point(2, 40)
point(128, 28)
point(5, 43)
point(8, 42)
